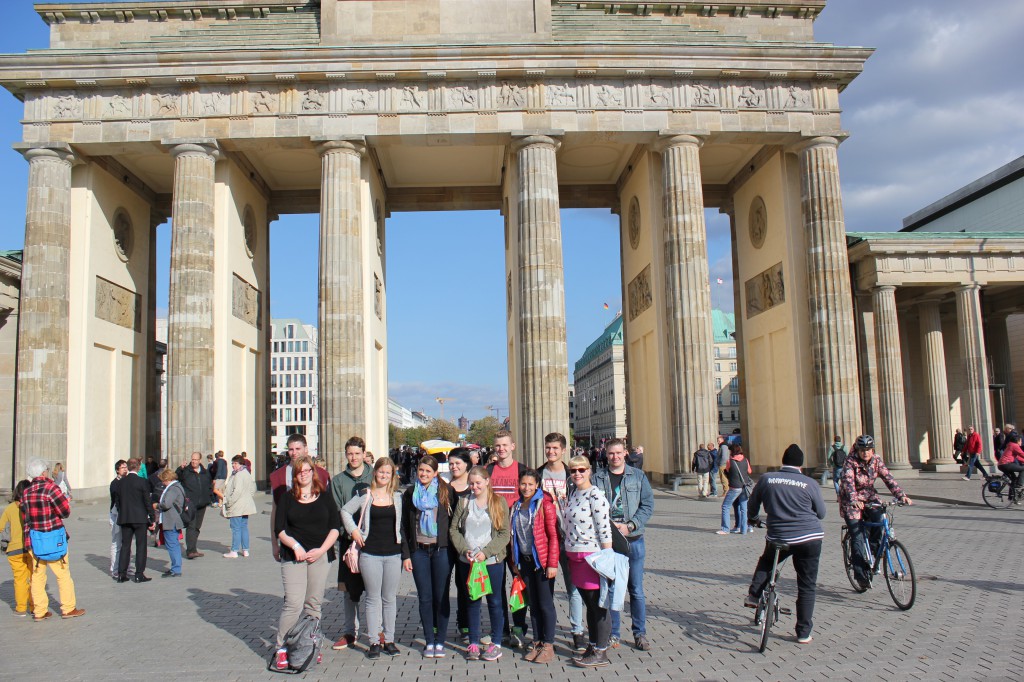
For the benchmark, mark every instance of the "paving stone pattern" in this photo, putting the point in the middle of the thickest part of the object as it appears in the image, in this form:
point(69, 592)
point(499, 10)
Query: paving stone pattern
point(218, 621)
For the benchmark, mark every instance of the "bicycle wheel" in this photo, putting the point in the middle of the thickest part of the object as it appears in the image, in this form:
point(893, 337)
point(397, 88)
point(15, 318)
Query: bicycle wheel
point(848, 562)
point(768, 605)
point(900, 576)
point(1000, 498)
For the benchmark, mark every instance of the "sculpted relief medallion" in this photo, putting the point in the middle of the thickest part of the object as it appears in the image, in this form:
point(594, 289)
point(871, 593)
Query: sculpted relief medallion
point(249, 231)
point(124, 236)
point(634, 223)
point(758, 222)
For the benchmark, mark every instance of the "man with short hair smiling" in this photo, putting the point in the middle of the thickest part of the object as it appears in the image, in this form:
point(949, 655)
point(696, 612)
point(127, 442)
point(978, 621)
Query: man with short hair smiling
point(505, 482)
point(631, 502)
point(346, 485)
point(195, 479)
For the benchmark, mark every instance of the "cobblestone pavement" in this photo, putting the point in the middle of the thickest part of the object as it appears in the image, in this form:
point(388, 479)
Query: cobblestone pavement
point(217, 622)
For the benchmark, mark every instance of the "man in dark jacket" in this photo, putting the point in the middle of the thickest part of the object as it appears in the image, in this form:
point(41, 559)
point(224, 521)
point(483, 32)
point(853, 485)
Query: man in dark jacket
point(795, 507)
point(134, 515)
point(195, 479)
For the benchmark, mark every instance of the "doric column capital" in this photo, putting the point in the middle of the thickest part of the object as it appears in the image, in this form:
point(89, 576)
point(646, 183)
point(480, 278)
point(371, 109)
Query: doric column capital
point(808, 143)
point(327, 145)
point(669, 139)
point(881, 288)
point(195, 147)
point(59, 151)
point(550, 139)
point(969, 287)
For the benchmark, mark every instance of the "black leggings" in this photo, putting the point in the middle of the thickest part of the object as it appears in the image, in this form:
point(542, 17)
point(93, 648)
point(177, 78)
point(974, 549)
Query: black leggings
point(1013, 471)
point(599, 621)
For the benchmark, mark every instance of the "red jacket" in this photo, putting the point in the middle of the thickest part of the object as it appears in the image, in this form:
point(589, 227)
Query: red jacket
point(545, 534)
point(1012, 453)
point(974, 444)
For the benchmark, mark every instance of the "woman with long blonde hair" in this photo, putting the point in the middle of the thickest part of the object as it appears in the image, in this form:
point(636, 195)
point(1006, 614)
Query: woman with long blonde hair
point(480, 532)
point(378, 534)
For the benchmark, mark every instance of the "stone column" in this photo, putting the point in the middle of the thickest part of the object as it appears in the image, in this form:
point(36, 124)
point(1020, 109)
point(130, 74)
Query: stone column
point(892, 398)
point(867, 356)
point(997, 340)
point(694, 415)
point(830, 303)
point(342, 352)
point(41, 419)
point(972, 354)
point(543, 357)
point(940, 429)
point(190, 348)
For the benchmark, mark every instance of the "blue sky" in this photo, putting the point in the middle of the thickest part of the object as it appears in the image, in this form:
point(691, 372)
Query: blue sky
point(938, 106)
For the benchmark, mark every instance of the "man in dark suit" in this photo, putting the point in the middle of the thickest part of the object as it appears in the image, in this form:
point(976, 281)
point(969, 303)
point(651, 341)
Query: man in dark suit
point(134, 515)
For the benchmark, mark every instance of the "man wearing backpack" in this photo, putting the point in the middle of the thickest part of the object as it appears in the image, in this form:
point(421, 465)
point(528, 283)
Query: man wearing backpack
point(836, 459)
point(701, 465)
point(959, 445)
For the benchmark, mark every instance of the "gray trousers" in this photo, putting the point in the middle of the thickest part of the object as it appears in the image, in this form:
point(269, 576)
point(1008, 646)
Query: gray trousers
point(380, 577)
point(115, 541)
point(304, 586)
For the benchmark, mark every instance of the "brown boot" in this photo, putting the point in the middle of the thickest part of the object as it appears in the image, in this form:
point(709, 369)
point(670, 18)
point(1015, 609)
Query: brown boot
point(545, 653)
point(531, 655)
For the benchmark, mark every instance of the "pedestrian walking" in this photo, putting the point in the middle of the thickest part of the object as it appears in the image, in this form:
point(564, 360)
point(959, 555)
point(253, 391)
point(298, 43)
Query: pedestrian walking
point(701, 464)
point(973, 454)
point(169, 508)
point(738, 471)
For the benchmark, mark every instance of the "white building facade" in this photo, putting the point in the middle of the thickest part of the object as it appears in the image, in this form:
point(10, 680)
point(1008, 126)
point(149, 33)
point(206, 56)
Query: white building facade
point(294, 395)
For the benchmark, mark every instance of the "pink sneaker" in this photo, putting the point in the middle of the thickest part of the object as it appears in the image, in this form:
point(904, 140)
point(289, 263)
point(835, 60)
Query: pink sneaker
point(281, 662)
point(473, 652)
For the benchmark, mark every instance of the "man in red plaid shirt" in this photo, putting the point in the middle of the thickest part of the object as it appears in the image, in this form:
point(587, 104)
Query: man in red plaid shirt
point(44, 508)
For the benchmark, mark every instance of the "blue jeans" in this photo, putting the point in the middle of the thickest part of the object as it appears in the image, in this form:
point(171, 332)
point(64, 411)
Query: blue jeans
point(239, 533)
point(837, 473)
point(173, 550)
point(496, 572)
point(431, 572)
point(975, 463)
point(575, 600)
point(733, 495)
point(713, 479)
point(637, 602)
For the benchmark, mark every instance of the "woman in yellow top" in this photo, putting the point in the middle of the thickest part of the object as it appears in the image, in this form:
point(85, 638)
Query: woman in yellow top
point(20, 560)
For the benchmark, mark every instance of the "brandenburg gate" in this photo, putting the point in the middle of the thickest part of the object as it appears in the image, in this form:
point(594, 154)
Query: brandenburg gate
point(220, 115)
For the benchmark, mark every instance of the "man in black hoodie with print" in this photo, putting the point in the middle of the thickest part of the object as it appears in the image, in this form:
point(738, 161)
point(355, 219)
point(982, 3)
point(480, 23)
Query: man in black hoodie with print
point(795, 508)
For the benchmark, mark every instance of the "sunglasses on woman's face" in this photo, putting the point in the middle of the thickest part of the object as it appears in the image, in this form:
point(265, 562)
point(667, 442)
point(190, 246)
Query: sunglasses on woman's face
point(578, 471)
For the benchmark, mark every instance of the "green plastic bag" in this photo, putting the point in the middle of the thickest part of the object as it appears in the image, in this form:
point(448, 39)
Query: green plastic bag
point(517, 600)
point(479, 582)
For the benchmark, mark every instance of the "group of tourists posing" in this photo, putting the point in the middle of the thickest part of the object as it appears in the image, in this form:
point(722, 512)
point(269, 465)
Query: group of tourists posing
point(495, 521)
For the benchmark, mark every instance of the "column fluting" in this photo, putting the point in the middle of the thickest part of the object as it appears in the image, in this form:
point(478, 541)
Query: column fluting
point(972, 354)
point(940, 436)
point(891, 393)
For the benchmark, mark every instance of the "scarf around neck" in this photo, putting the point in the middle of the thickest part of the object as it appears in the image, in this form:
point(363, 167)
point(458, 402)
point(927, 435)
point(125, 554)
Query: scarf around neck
point(424, 498)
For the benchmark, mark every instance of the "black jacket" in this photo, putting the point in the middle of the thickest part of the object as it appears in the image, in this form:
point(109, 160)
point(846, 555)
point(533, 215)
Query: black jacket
point(410, 517)
point(197, 484)
point(133, 503)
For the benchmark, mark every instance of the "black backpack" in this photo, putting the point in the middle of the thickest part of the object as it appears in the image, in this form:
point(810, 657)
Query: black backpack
point(302, 644)
point(187, 512)
point(838, 456)
point(704, 462)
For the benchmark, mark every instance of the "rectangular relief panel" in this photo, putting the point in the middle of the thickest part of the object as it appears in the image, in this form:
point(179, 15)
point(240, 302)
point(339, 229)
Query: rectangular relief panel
point(640, 293)
point(765, 290)
point(118, 305)
point(245, 302)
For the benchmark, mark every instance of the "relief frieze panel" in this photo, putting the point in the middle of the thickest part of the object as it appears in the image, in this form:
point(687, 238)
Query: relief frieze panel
point(640, 293)
point(765, 290)
point(385, 97)
point(117, 305)
point(246, 303)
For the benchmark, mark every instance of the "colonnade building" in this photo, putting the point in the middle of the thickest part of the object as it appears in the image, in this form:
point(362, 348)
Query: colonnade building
point(210, 118)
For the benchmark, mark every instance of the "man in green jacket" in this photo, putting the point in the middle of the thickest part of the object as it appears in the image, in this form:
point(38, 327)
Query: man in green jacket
point(344, 487)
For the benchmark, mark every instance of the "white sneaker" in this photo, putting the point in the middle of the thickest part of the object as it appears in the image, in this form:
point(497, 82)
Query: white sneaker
point(231, 555)
point(439, 651)
point(245, 552)
point(428, 651)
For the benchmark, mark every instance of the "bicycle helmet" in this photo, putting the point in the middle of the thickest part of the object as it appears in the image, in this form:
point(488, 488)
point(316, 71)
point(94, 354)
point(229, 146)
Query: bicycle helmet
point(865, 442)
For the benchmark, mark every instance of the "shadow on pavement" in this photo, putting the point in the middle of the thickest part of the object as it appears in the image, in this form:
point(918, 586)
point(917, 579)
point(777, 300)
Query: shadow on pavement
point(248, 616)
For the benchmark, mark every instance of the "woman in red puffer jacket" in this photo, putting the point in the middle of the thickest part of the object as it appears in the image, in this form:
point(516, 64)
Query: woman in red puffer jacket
point(534, 555)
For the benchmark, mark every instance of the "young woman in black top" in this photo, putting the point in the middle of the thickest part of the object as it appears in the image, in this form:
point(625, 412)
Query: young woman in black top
point(378, 534)
point(307, 526)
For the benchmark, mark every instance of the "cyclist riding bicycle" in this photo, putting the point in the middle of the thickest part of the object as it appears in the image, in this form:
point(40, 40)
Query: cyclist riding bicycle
point(795, 507)
point(1011, 462)
point(857, 493)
